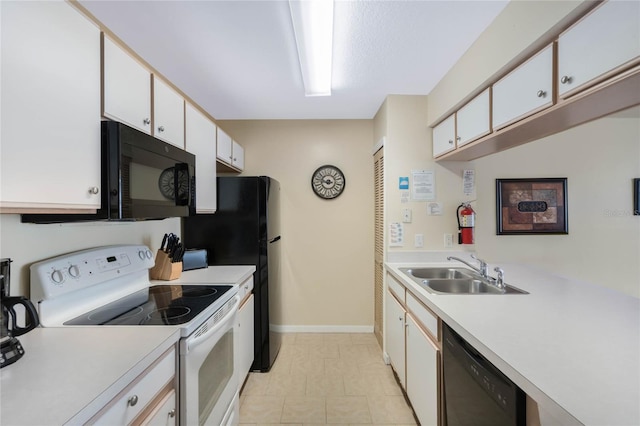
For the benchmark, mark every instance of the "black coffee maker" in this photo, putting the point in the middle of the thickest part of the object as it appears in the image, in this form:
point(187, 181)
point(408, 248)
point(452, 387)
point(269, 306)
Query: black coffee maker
point(10, 348)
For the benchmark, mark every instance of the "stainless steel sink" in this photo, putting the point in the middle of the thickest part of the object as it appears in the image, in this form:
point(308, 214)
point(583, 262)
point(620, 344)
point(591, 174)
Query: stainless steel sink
point(440, 280)
point(428, 273)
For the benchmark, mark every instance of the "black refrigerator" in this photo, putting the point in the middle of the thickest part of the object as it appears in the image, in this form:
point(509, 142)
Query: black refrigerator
point(245, 230)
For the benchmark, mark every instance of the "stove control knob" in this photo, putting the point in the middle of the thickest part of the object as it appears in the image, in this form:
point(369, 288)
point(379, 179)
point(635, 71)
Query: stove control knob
point(57, 276)
point(74, 271)
point(141, 254)
point(149, 254)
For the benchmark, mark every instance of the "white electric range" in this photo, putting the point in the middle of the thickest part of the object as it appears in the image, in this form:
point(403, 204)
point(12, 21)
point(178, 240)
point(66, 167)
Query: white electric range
point(109, 286)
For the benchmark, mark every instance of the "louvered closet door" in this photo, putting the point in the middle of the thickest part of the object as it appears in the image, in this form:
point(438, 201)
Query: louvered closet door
point(378, 159)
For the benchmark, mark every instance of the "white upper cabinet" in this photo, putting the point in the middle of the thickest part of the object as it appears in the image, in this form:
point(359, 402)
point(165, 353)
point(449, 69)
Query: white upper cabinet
point(127, 88)
point(473, 120)
point(524, 91)
point(237, 152)
point(201, 140)
point(168, 110)
point(444, 135)
point(606, 39)
point(225, 146)
point(50, 103)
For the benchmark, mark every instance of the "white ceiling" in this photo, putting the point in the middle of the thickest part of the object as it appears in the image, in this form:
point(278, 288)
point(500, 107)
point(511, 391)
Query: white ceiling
point(238, 59)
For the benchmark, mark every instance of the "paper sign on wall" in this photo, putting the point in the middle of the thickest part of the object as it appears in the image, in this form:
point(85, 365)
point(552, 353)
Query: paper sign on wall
point(469, 182)
point(424, 185)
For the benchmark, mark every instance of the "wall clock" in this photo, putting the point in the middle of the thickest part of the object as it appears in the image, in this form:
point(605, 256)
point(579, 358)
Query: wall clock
point(328, 182)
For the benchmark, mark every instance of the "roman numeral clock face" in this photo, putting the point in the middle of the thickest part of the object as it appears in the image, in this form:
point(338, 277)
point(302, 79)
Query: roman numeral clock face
point(328, 182)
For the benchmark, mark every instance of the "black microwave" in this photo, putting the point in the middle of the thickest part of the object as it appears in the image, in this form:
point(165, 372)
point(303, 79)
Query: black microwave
point(142, 178)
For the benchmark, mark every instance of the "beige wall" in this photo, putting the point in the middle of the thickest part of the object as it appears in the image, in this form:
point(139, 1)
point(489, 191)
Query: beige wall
point(600, 159)
point(408, 147)
point(327, 267)
point(26, 243)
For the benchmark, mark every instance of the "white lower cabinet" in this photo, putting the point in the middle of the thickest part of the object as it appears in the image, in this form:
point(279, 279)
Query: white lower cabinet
point(246, 350)
point(394, 335)
point(145, 399)
point(422, 373)
point(412, 343)
point(244, 358)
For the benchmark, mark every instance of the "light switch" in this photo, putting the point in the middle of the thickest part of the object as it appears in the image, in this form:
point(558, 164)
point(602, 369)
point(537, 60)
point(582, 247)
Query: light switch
point(406, 215)
point(418, 240)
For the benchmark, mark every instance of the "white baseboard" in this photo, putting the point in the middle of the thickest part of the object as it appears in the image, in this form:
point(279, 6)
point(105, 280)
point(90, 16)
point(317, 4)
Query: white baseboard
point(323, 328)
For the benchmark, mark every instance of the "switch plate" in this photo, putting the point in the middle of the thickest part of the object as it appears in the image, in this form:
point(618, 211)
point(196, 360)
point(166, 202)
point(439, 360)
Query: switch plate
point(418, 240)
point(448, 240)
point(406, 215)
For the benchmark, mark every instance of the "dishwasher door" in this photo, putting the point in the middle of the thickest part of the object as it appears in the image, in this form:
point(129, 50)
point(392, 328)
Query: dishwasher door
point(476, 393)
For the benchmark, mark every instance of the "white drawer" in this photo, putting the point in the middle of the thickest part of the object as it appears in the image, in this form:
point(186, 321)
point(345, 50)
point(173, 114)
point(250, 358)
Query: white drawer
point(424, 315)
point(134, 398)
point(245, 288)
point(396, 288)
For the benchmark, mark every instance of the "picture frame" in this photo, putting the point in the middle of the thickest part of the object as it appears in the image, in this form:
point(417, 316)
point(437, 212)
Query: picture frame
point(531, 206)
point(636, 196)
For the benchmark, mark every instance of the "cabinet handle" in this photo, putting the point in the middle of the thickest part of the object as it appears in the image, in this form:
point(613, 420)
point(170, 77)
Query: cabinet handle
point(458, 138)
point(161, 129)
point(541, 93)
point(133, 400)
point(94, 190)
point(146, 121)
point(566, 79)
point(172, 413)
point(450, 141)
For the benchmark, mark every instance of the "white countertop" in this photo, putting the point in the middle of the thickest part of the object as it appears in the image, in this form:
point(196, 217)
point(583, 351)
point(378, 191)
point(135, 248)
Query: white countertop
point(572, 346)
point(67, 374)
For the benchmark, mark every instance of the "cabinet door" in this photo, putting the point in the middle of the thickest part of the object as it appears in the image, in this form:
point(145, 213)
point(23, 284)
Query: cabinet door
point(444, 135)
point(225, 146)
point(50, 103)
point(394, 335)
point(246, 352)
point(168, 114)
point(164, 414)
point(604, 40)
point(238, 156)
point(524, 91)
point(126, 93)
point(422, 373)
point(473, 120)
point(200, 139)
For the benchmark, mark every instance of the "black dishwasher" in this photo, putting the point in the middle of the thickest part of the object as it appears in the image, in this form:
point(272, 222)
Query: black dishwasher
point(477, 393)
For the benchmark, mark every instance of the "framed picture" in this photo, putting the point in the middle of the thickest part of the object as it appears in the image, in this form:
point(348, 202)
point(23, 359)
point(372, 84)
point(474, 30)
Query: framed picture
point(636, 197)
point(531, 206)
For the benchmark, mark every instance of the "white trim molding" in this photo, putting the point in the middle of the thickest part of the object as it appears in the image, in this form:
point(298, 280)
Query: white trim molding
point(323, 328)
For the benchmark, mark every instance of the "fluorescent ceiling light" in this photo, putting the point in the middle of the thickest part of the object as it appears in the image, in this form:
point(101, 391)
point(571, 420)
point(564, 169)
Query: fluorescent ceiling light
point(313, 28)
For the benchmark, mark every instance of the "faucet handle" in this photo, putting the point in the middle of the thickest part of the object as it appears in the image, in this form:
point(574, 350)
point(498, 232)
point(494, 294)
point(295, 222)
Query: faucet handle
point(483, 265)
point(500, 277)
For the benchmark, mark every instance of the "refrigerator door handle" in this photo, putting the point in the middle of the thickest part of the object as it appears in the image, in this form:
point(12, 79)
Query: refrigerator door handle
point(273, 240)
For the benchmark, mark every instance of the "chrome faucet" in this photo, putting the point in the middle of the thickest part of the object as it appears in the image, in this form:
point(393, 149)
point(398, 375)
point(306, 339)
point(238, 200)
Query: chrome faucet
point(482, 269)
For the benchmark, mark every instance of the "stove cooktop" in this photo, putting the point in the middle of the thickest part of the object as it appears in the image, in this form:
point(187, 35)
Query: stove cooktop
point(156, 305)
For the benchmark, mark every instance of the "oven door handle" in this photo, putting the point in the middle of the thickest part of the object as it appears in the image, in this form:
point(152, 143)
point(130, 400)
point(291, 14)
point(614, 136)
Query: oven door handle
point(196, 341)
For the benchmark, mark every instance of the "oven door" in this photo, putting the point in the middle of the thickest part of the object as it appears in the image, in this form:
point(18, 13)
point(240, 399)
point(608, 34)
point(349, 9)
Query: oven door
point(208, 375)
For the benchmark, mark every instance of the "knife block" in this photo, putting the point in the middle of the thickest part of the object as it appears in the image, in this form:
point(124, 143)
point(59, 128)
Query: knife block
point(164, 269)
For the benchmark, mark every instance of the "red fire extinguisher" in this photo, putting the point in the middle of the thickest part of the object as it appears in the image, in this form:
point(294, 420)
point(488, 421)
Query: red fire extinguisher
point(466, 223)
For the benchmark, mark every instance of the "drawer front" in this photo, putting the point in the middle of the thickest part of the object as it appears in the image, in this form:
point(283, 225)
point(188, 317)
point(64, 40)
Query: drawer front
point(135, 398)
point(245, 288)
point(526, 90)
point(425, 316)
point(396, 288)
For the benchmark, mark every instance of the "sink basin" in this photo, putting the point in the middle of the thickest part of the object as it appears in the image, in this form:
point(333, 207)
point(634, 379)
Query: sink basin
point(461, 286)
point(447, 273)
point(442, 280)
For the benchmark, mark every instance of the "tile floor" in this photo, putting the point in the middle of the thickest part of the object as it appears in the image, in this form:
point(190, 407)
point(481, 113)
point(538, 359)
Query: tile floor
point(321, 379)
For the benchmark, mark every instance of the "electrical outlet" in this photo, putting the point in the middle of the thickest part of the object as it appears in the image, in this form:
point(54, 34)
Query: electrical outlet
point(406, 215)
point(448, 240)
point(418, 240)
